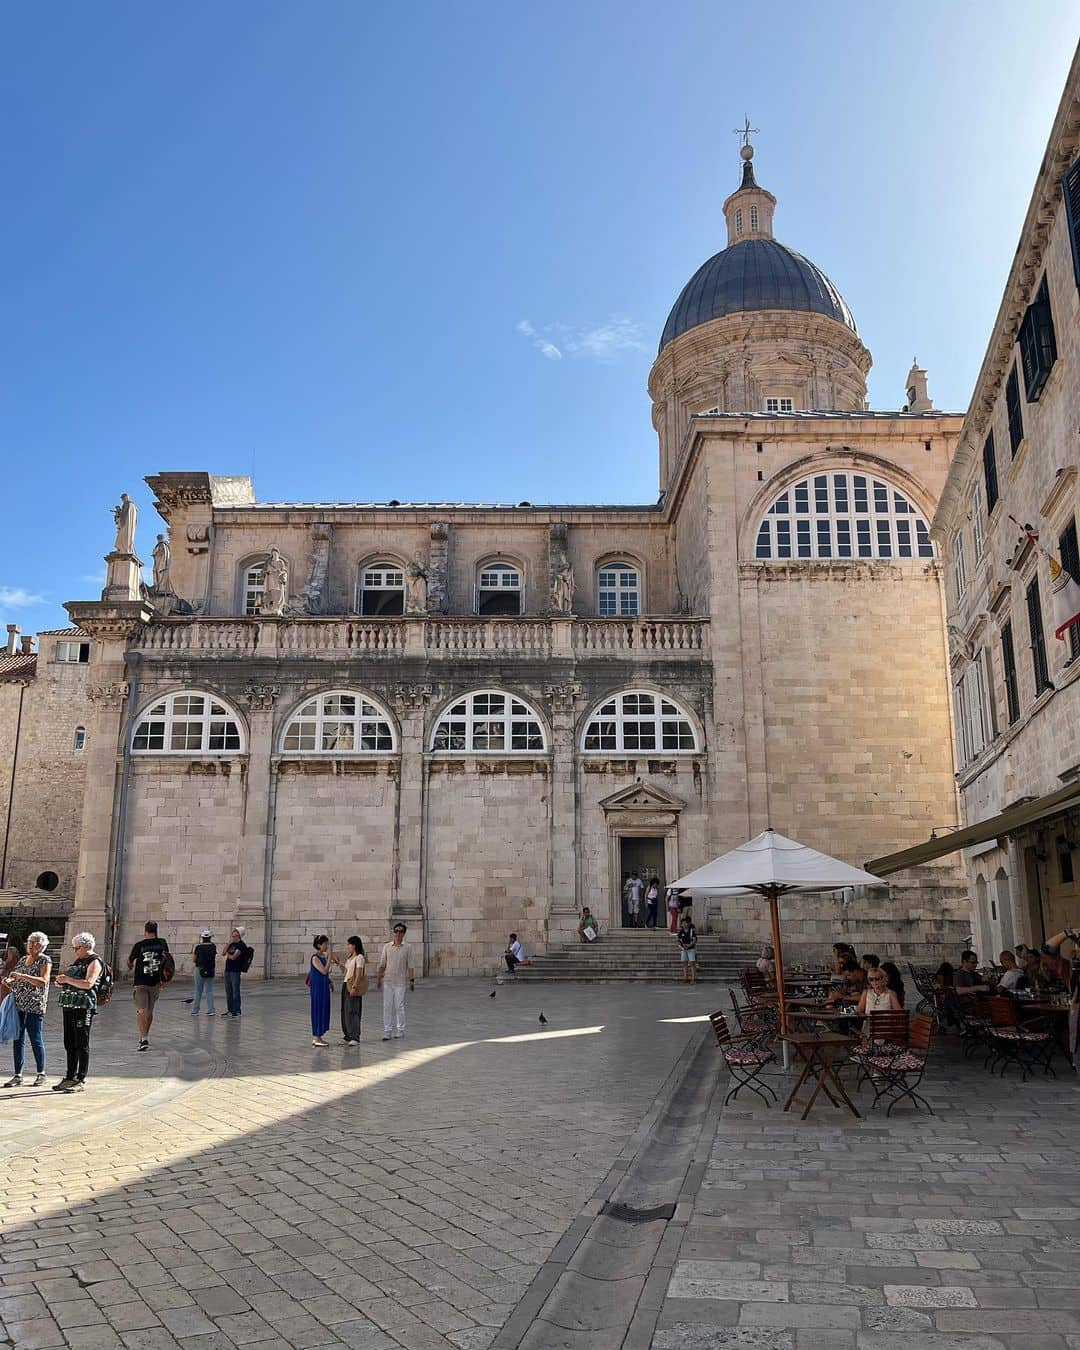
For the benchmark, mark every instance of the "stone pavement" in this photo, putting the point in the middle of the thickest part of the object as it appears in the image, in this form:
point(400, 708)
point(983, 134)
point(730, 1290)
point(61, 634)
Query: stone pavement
point(959, 1231)
point(236, 1187)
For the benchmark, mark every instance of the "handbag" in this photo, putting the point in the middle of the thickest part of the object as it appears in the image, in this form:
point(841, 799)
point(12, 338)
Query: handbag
point(357, 987)
point(9, 1019)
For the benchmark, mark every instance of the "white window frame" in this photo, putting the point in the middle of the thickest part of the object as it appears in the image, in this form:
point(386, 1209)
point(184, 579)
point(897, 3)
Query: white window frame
point(618, 589)
point(253, 589)
point(978, 528)
point(471, 723)
point(973, 731)
point(753, 220)
point(816, 518)
point(384, 576)
point(502, 578)
point(70, 652)
point(78, 741)
point(323, 718)
point(624, 719)
point(959, 564)
point(738, 222)
point(165, 716)
point(779, 405)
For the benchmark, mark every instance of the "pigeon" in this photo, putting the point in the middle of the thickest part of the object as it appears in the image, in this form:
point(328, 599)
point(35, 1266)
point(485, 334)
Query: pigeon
point(492, 994)
point(543, 1020)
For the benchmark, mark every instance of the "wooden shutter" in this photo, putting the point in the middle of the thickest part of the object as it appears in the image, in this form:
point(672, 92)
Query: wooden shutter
point(1016, 416)
point(990, 473)
point(1070, 187)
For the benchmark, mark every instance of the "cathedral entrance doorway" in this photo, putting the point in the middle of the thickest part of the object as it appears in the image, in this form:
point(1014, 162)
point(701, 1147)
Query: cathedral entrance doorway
point(645, 856)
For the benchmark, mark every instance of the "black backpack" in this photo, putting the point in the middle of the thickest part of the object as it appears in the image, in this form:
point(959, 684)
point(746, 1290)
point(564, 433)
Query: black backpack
point(104, 986)
point(247, 958)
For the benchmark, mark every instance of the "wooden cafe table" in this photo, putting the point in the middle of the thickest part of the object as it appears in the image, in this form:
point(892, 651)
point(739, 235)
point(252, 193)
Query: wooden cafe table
point(818, 1052)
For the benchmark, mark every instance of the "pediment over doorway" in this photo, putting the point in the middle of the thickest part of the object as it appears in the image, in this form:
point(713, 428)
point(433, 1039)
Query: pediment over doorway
point(639, 796)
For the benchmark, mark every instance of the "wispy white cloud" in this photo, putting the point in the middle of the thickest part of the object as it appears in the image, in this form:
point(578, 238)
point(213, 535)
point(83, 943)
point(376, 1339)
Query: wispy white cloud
point(15, 597)
point(94, 578)
point(542, 345)
point(603, 342)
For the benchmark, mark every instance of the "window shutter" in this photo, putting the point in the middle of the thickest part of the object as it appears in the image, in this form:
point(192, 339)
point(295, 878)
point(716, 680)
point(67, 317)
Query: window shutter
point(1016, 417)
point(1038, 343)
point(1008, 663)
point(1070, 187)
point(1038, 638)
point(1069, 551)
point(990, 473)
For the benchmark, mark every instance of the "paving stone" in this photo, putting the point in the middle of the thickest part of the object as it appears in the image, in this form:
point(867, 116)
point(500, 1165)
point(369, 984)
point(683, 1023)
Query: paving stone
point(896, 1319)
point(921, 1296)
point(694, 1336)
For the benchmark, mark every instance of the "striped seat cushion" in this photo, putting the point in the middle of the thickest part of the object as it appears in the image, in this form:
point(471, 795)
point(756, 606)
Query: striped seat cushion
point(905, 1061)
point(742, 1055)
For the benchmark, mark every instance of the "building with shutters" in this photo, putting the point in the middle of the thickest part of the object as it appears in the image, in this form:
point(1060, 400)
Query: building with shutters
point(481, 718)
point(1009, 504)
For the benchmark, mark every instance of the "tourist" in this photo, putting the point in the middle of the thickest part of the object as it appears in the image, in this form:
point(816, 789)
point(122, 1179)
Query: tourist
point(870, 961)
point(688, 943)
point(841, 952)
point(12, 957)
point(353, 988)
point(968, 981)
point(29, 985)
point(587, 925)
point(1012, 978)
point(632, 893)
point(853, 982)
point(320, 988)
point(877, 996)
point(514, 955)
point(1055, 967)
point(204, 954)
point(395, 971)
point(78, 1000)
point(765, 963)
point(147, 960)
point(672, 902)
point(235, 964)
point(895, 980)
point(652, 902)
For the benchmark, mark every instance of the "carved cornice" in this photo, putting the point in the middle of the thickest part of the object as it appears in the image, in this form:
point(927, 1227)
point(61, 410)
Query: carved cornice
point(562, 696)
point(173, 490)
point(411, 698)
point(108, 694)
point(110, 618)
point(261, 697)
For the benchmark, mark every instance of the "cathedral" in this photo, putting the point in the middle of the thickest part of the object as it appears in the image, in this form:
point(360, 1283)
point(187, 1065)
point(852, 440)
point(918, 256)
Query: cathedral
point(325, 716)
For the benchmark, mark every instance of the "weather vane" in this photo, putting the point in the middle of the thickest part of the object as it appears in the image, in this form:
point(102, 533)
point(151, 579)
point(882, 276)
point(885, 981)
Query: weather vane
point(746, 132)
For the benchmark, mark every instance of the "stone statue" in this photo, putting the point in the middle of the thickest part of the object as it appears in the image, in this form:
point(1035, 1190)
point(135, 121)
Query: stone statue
point(162, 556)
point(562, 589)
point(125, 516)
point(276, 584)
point(416, 596)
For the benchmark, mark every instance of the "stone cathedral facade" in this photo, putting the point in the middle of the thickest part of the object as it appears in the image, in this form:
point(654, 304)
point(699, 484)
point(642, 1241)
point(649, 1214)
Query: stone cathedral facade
point(479, 718)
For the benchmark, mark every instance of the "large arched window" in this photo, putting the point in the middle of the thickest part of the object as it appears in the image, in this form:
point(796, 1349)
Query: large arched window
point(499, 589)
point(640, 720)
point(490, 721)
point(340, 722)
point(843, 515)
point(618, 590)
point(381, 590)
point(188, 723)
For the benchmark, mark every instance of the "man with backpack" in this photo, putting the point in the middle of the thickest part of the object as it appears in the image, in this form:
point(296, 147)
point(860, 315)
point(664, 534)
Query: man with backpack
point(153, 965)
point(238, 958)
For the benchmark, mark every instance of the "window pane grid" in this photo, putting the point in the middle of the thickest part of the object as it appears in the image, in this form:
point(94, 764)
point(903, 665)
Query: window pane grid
point(488, 722)
point(618, 589)
point(187, 723)
point(824, 509)
point(638, 721)
point(339, 723)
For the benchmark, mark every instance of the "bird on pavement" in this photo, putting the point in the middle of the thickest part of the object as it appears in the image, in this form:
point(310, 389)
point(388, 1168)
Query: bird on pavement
point(492, 994)
point(543, 1020)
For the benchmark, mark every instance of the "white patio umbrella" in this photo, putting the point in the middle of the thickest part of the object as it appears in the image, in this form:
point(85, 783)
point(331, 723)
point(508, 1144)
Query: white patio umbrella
point(770, 865)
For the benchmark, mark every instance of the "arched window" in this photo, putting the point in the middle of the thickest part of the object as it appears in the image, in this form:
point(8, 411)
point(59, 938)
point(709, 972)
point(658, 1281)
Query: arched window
point(79, 739)
point(341, 722)
point(843, 515)
point(618, 590)
point(489, 721)
point(640, 720)
point(254, 588)
point(738, 220)
point(753, 220)
point(382, 589)
point(498, 589)
point(187, 723)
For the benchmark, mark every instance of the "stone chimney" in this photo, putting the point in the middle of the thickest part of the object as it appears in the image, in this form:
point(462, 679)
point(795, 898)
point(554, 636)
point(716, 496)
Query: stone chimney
point(13, 631)
point(27, 645)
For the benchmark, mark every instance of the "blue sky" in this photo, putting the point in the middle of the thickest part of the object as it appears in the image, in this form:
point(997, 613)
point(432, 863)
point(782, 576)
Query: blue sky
point(303, 240)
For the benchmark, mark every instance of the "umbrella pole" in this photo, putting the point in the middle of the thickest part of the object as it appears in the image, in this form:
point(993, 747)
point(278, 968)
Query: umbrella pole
point(778, 957)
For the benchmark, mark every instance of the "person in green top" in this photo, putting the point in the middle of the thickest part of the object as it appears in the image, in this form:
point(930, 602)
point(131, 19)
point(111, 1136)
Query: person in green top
point(588, 921)
point(78, 1001)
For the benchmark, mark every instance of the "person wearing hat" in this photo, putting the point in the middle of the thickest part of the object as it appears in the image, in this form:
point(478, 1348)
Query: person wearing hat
point(395, 970)
point(205, 955)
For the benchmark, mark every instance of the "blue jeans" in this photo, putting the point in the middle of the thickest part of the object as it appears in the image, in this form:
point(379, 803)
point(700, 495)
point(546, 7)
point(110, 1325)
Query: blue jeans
point(232, 991)
point(30, 1024)
point(203, 983)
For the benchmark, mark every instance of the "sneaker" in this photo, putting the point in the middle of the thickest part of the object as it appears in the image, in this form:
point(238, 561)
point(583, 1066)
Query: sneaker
point(318, 1040)
point(14, 1081)
point(143, 1045)
point(63, 1085)
point(386, 1038)
point(194, 1012)
point(211, 1013)
point(77, 1086)
point(39, 1081)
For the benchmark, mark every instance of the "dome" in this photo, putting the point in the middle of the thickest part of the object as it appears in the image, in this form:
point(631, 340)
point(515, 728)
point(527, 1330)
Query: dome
point(755, 274)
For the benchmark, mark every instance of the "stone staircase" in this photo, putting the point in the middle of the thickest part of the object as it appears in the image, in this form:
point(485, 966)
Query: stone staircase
point(627, 954)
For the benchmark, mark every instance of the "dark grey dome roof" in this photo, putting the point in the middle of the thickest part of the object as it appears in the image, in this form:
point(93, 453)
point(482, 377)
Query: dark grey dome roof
point(754, 274)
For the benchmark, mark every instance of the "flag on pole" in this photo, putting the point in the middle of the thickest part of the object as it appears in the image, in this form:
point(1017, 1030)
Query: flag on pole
point(1065, 595)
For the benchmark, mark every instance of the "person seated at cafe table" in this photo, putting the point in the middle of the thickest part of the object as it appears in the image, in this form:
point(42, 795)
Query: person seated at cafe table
point(1012, 977)
point(968, 980)
point(854, 982)
point(895, 980)
point(1056, 968)
point(877, 996)
point(841, 951)
point(870, 961)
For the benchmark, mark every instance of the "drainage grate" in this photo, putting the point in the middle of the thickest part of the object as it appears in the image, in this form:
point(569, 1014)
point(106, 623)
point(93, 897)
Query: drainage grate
point(632, 1214)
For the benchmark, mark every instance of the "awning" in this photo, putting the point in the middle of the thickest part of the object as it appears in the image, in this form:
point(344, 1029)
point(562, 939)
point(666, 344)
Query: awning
point(1007, 822)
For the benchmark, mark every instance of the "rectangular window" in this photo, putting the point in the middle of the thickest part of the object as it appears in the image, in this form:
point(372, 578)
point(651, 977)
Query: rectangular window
point(1038, 344)
point(779, 405)
point(1069, 552)
point(866, 548)
point(1008, 666)
point(978, 536)
point(753, 219)
point(959, 565)
point(73, 653)
point(1070, 187)
point(824, 539)
point(862, 505)
point(803, 538)
point(1012, 405)
point(990, 473)
point(1038, 638)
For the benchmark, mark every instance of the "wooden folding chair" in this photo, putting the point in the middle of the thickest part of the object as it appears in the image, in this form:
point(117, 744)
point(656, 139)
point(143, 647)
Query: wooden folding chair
point(1029, 1044)
point(745, 1057)
point(898, 1075)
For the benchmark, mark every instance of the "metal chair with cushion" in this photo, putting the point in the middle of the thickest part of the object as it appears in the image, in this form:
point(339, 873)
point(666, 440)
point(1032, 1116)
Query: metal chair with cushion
point(898, 1072)
point(760, 1020)
point(886, 1033)
point(1029, 1044)
point(745, 1056)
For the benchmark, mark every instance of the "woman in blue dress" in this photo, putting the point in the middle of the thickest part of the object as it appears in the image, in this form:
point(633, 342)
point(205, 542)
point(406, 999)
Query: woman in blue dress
point(319, 986)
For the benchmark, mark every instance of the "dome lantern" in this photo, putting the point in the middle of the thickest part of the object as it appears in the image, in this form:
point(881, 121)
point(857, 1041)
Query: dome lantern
point(749, 209)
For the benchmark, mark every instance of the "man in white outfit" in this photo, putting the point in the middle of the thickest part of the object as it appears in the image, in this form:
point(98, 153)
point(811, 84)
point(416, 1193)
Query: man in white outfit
point(395, 969)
